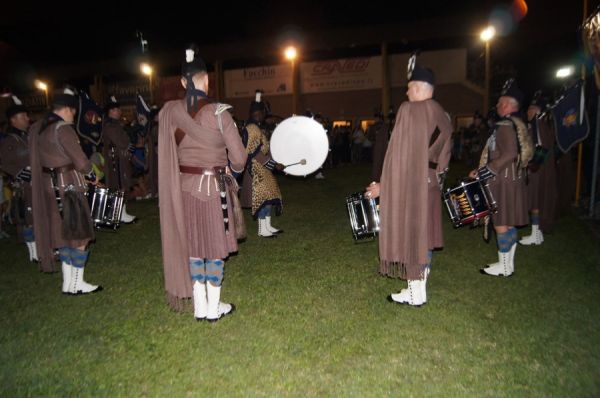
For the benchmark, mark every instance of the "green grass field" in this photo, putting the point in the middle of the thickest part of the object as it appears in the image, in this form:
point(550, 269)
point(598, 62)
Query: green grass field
point(312, 317)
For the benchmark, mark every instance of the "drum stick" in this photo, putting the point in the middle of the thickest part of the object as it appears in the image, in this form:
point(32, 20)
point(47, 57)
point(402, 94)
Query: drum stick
point(302, 162)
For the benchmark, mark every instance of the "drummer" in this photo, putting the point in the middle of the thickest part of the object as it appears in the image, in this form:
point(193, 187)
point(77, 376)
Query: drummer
point(417, 156)
point(61, 214)
point(260, 190)
point(500, 163)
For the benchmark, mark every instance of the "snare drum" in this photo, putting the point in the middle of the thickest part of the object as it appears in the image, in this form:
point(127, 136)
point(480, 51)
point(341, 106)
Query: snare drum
point(364, 216)
point(470, 202)
point(106, 207)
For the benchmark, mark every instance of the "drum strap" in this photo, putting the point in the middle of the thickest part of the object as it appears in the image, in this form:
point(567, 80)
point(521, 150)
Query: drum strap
point(434, 136)
point(437, 144)
point(180, 134)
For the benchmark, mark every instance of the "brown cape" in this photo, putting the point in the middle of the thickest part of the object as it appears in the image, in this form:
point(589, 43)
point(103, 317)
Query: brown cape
point(178, 283)
point(403, 238)
point(41, 230)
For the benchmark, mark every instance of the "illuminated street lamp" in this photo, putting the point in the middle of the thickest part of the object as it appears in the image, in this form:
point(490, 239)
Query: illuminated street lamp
point(147, 70)
point(565, 72)
point(40, 85)
point(486, 36)
point(291, 54)
point(488, 33)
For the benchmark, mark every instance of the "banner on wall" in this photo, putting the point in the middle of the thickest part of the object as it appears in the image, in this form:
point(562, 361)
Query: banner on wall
point(347, 74)
point(272, 80)
point(126, 91)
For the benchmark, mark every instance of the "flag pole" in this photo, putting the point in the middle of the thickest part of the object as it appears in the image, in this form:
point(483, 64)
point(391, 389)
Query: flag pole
point(580, 146)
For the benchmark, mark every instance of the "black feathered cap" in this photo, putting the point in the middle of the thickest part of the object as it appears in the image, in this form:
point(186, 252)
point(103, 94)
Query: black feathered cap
point(510, 89)
point(258, 104)
point(66, 97)
point(418, 73)
point(111, 102)
point(192, 63)
point(421, 74)
point(141, 107)
point(16, 107)
point(154, 109)
point(539, 100)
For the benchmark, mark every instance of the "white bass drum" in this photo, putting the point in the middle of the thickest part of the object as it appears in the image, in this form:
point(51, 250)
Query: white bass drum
point(300, 143)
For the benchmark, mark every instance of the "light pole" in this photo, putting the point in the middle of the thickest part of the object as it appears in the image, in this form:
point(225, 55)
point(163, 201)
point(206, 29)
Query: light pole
point(291, 53)
point(148, 71)
point(40, 85)
point(487, 35)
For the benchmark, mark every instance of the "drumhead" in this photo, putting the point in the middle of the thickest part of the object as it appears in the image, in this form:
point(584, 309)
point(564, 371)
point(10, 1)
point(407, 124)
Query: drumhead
point(297, 138)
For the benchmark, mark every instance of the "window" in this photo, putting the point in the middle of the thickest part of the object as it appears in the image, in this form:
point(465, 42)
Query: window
point(342, 123)
point(365, 123)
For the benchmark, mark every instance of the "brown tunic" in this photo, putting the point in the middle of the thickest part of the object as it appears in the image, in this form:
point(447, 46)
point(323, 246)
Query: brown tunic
point(14, 156)
point(410, 200)
point(117, 157)
point(188, 210)
point(260, 187)
point(541, 184)
point(56, 146)
point(508, 186)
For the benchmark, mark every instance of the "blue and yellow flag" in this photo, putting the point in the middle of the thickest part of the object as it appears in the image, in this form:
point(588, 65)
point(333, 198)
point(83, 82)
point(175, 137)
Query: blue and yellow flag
point(89, 120)
point(570, 118)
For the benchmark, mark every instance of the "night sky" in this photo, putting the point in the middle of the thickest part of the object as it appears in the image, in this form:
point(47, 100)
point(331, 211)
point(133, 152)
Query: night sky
point(34, 36)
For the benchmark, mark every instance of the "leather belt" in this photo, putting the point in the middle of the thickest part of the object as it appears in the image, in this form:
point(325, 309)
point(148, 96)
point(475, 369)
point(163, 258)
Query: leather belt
point(202, 170)
point(59, 169)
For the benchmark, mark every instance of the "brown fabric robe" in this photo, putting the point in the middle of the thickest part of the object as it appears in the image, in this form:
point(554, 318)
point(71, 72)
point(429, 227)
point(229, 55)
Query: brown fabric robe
point(260, 187)
point(57, 145)
point(152, 159)
point(14, 156)
point(508, 186)
point(542, 192)
point(211, 150)
point(115, 136)
point(410, 201)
